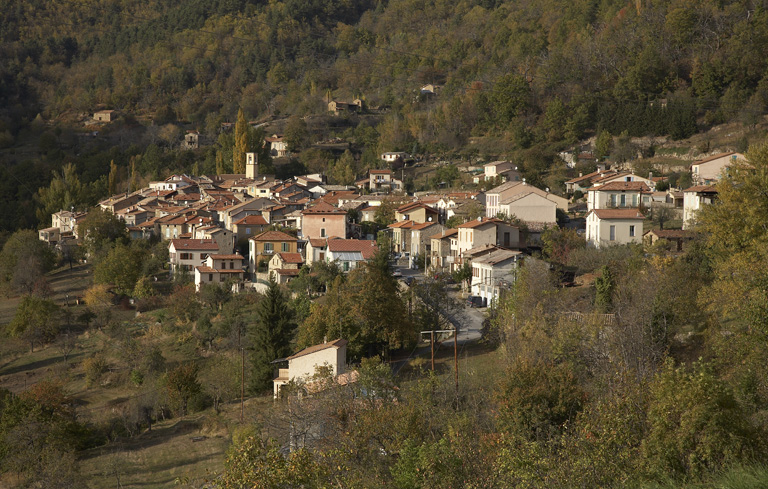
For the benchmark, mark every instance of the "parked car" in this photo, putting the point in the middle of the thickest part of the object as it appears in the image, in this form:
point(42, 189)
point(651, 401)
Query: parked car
point(397, 273)
point(409, 281)
point(474, 301)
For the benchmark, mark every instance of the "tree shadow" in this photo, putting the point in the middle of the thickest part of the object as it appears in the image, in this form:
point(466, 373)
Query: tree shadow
point(46, 362)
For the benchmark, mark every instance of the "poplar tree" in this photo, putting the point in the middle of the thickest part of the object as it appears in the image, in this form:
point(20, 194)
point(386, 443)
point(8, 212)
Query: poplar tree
point(241, 143)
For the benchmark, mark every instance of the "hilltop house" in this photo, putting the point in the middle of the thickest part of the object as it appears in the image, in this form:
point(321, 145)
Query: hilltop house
point(694, 199)
point(323, 220)
point(218, 269)
point(186, 254)
point(493, 272)
point(614, 226)
point(263, 246)
point(303, 365)
point(710, 169)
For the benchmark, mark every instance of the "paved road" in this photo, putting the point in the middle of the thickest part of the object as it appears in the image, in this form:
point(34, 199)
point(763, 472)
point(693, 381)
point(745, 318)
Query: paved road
point(469, 320)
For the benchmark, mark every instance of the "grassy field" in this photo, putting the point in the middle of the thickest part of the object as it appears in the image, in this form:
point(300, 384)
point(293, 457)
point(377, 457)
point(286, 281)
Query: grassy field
point(179, 452)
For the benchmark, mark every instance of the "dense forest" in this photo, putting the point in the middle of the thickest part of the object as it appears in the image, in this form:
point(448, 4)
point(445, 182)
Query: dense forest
point(650, 371)
point(530, 78)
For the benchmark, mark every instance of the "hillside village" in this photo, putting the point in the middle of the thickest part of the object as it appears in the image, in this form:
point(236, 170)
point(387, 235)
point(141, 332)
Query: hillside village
point(247, 229)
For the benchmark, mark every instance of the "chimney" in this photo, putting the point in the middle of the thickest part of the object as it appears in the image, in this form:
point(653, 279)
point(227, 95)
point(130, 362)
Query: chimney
point(650, 175)
point(580, 174)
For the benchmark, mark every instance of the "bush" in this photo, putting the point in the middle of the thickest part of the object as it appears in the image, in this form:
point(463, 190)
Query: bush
point(95, 367)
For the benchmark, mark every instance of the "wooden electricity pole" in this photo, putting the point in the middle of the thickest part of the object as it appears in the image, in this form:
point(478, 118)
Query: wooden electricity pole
point(242, 384)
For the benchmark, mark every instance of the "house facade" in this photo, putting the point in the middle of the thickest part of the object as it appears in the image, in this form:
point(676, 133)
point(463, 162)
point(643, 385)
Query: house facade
point(262, 247)
point(494, 272)
point(350, 253)
point(484, 231)
point(323, 220)
point(417, 212)
point(617, 195)
point(186, 254)
point(709, 170)
point(530, 207)
point(219, 269)
point(694, 199)
point(303, 365)
point(606, 227)
point(505, 191)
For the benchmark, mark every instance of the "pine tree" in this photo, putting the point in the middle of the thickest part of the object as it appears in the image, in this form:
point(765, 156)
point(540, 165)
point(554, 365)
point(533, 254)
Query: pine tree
point(241, 143)
point(270, 336)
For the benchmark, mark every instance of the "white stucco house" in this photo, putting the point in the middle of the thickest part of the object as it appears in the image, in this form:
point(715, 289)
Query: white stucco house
point(303, 365)
point(219, 269)
point(606, 227)
point(186, 254)
point(709, 170)
point(530, 207)
point(694, 199)
point(493, 272)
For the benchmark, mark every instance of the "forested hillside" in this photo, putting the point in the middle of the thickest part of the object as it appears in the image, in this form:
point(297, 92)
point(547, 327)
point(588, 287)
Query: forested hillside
point(535, 77)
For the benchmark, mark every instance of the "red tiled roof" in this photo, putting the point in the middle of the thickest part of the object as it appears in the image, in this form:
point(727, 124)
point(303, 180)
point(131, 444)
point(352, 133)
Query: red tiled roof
point(414, 205)
point(445, 234)
point(702, 188)
point(402, 224)
point(713, 157)
point(318, 242)
point(207, 269)
point(227, 257)
point(195, 244)
point(323, 208)
point(312, 349)
point(273, 236)
point(422, 225)
point(291, 257)
point(380, 172)
point(366, 247)
point(641, 186)
point(480, 222)
point(252, 221)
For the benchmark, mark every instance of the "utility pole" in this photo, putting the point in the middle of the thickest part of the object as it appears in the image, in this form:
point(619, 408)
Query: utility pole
point(432, 346)
point(456, 360)
point(242, 384)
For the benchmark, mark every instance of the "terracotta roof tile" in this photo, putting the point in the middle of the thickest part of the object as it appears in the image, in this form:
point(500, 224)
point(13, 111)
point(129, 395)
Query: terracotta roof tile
point(273, 236)
point(194, 244)
point(312, 349)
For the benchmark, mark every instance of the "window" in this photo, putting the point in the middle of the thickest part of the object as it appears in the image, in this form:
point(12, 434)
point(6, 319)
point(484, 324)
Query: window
point(284, 247)
point(612, 233)
point(268, 248)
point(185, 256)
point(346, 266)
point(322, 233)
point(247, 230)
point(632, 231)
point(210, 277)
point(623, 200)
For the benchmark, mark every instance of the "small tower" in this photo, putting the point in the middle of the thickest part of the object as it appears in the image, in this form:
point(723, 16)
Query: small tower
point(251, 166)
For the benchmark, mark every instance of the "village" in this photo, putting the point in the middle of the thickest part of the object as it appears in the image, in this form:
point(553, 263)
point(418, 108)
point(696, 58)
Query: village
point(244, 230)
